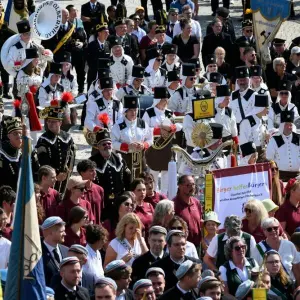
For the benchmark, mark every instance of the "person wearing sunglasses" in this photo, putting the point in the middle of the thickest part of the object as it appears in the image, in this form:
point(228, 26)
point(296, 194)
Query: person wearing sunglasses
point(247, 31)
point(237, 268)
point(73, 197)
point(283, 147)
point(252, 128)
point(173, 19)
point(255, 212)
point(288, 253)
point(281, 283)
point(137, 30)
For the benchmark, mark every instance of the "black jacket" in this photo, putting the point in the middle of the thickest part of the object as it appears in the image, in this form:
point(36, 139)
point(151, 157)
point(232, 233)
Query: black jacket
point(50, 266)
point(227, 28)
point(175, 294)
point(170, 269)
point(212, 41)
point(95, 15)
point(61, 293)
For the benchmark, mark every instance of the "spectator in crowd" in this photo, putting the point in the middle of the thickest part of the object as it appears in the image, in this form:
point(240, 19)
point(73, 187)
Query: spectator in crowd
point(281, 283)
point(54, 252)
point(144, 20)
point(122, 206)
point(187, 43)
point(224, 68)
point(287, 251)
point(238, 267)
point(137, 30)
point(143, 210)
point(177, 223)
point(96, 238)
point(157, 243)
point(153, 197)
point(7, 203)
point(277, 185)
point(143, 288)
point(5, 244)
point(50, 198)
point(105, 288)
point(210, 286)
point(75, 229)
point(255, 213)
point(93, 192)
point(179, 4)
point(157, 277)
point(129, 243)
point(164, 212)
point(121, 274)
point(294, 61)
point(270, 206)
point(172, 21)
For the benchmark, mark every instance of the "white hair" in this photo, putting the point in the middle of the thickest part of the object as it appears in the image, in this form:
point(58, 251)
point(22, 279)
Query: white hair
point(277, 61)
point(268, 222)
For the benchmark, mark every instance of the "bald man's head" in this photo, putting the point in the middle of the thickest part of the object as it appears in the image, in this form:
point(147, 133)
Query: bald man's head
point(65, 15)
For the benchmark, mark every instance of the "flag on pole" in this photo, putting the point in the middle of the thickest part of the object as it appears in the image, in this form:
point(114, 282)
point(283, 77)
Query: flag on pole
point(25, 278)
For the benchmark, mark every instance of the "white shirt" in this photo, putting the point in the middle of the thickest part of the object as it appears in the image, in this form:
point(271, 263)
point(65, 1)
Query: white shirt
point(255, 134)
point(288, 253)
point(212, 249)
point(93, 110)
point(243, 274)
point(5, 245)
point(182, 104)
point(247, 105)
point(122, 251)
point(196, 29)
point(130, 134)
point(287, 156)
point(190, 250)
point(45, 98)
point(155, 79)
point(93, 264)
point(139, 33)
point(120, 72)
point(228, 122)
point(23, 78)
point(180, 289)
point(70, 86)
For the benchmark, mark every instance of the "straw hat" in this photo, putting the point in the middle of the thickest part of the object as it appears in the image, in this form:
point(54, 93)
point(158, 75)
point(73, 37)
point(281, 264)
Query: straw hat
point(269, 205)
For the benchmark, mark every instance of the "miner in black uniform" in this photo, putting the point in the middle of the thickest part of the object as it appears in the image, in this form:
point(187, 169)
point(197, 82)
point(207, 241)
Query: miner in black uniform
point(129, 43)
point(279, 49)
point(4, 35)
point(10, 154)
point(99, 48)
point(112, 172)
point(65, 32)
point(91, 13)
point(55, 147)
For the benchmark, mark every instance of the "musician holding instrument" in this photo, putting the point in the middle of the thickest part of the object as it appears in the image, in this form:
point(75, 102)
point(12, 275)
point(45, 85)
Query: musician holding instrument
point(132, 136)
point(56, 147)
point(136, 86)
point(181, 100)
point(161, 120)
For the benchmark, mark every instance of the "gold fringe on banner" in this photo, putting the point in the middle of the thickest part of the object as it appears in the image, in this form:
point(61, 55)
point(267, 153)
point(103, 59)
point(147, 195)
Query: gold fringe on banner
point(208, 204)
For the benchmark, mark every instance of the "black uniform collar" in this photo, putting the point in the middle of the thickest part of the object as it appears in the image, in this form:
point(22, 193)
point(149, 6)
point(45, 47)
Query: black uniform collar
point(10, 152)
point(115, 162)
point(50, 137)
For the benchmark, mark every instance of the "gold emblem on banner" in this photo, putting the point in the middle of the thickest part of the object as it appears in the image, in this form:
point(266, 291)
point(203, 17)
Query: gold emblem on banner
point(202, 135)
point(203, 108)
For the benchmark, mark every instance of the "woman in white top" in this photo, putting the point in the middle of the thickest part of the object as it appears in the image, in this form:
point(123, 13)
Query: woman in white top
point(129, 243)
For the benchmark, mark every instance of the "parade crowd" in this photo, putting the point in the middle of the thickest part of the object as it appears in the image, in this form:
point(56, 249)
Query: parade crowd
point(107, 227)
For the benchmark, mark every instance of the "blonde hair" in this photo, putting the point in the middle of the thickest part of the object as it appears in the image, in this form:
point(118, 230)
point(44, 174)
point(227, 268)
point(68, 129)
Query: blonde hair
point(220, 49)
point(258, 208)
point(130, 218)
point(260, 283)
point(276, 189)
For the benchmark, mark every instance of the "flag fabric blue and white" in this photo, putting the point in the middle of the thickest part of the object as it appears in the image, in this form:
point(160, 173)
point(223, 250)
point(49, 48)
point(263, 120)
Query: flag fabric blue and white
point(25, 278)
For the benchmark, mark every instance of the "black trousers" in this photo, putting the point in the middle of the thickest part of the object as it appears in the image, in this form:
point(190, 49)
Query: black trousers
point(4, 79)
point(157, 5)
point(215, 4)
point(78, 63)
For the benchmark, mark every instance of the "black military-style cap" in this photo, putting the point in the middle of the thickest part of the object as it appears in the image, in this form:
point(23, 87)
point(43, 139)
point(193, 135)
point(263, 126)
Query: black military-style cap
point(102, 135)
point(248, 148)
point(285, 85)
point(242, 42)
point(211, 59)
point(160, 29)
point(115, 42)
point(55, 68)
point(120, 21)
point(106, 83)
point(241, 72)
point(215, 77)
point(131, 101)
point(152, 53)
point(278, 41)
point(161, 92)
point(195, 61)
point(247, 23)
point(31, 53)
point(103, 63)
point(223, 12)
point(287, 116)
point(261, 101)
point(23, 26)
point(169, 49)
point(103, 73)
point(138, 71)
point(13, 124)
point(217, 130)
point(173, 76)
point(64, 57)
point(255, 70)
point(223, 90)
point(188, 69)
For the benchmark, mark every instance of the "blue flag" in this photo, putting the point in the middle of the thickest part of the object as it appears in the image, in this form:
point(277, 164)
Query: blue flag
point(25, 277)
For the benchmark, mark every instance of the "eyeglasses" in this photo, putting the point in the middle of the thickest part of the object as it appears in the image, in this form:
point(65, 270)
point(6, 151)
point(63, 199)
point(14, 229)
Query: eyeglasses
point(79, 188)
point(177, 228)
point(158, 59)
point(150, 293)
point(284, 93)
point(275, 228)
point(127, 204)
point(106, 144)
point(274, 169)
point(253, 54)
point(249, 30)
point(248, 210)
point(273, 262)
point(238, 248)
point(136, 19)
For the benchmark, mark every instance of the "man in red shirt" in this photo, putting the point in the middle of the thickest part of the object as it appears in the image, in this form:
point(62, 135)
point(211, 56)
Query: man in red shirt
point(189, 208)
point(94, 193)
point(50, 198)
